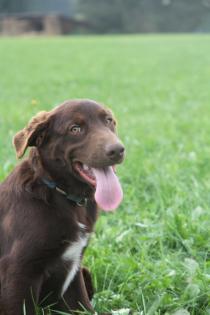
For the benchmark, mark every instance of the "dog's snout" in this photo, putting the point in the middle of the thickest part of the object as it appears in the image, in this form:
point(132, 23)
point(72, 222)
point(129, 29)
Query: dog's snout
point(115, 151)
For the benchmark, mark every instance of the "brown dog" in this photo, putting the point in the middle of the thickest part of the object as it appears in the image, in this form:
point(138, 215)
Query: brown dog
point(48, 206)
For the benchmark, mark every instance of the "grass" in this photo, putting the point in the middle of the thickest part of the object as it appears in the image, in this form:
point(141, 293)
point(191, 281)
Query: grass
point(153, 254)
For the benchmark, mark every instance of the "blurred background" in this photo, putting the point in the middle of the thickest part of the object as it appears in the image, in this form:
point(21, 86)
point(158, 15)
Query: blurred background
point(55, 17)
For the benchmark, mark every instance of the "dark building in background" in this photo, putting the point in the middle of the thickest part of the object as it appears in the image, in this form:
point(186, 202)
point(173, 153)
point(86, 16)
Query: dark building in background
point(47, 17)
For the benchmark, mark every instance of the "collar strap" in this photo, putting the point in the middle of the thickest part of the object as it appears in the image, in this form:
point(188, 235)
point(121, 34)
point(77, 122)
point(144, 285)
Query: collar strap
point(80, 201)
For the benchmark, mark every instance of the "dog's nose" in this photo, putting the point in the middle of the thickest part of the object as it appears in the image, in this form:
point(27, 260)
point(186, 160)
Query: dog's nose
point(115, 151)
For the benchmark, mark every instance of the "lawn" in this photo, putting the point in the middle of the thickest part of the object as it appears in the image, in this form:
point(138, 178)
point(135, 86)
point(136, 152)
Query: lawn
point(153, 254)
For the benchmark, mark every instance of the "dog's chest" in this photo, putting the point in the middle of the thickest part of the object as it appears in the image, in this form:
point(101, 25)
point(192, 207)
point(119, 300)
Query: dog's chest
point(73, 254)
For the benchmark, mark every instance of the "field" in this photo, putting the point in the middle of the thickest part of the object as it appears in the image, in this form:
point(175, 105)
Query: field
point(153, 254)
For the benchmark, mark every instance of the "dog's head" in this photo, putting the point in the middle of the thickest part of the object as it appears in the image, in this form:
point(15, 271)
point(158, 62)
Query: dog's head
point(78, 138)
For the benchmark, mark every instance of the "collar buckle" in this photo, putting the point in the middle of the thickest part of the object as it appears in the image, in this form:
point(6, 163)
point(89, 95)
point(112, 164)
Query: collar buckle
point(82, 202)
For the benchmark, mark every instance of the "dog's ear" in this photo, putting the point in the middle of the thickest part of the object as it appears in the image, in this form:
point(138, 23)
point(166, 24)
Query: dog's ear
point(32, 134)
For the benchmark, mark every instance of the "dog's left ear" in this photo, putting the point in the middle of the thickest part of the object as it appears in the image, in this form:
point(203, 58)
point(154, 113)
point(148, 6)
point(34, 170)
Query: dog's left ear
point(32, 134)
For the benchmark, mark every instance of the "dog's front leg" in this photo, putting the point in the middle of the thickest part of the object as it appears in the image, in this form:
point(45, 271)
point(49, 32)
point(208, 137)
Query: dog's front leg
point(76, 296)
point(19, 288)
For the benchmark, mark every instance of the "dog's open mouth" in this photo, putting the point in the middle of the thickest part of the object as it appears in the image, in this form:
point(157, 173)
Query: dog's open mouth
point(85, 172)
point(108, 192)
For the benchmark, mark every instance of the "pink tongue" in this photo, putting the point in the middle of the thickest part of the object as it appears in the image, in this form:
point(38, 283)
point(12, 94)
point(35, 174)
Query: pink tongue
point(108, 193)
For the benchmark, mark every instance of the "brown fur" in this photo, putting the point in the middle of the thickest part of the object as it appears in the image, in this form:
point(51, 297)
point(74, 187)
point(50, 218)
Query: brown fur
point(38, 223)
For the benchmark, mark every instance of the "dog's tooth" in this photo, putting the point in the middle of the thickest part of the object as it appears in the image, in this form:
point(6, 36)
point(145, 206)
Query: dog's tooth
point(85, 167)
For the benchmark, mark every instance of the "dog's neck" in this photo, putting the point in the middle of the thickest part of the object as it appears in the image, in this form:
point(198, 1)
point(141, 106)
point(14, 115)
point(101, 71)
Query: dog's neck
point(64, 180)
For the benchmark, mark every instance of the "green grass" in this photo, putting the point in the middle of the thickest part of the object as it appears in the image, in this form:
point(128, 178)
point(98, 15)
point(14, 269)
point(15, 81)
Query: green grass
point(153, 254)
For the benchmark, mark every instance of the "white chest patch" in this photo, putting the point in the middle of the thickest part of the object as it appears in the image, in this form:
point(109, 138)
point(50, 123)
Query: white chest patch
point(73, 254)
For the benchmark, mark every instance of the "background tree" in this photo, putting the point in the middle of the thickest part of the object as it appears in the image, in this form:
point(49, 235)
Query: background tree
point(145, 15)
point(12, 6)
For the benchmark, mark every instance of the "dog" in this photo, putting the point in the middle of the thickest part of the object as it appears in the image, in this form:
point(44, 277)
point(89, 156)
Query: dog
point(49, 205)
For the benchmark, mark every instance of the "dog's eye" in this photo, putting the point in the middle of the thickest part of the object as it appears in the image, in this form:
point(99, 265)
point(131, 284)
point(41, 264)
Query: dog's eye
point(75, 129)
point(109, 120)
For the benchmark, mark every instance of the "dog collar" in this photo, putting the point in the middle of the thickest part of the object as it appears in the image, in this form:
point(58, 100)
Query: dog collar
point(78, 200)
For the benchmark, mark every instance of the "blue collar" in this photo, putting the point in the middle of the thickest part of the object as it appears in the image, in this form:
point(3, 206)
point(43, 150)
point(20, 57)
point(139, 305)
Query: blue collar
point(80, 201)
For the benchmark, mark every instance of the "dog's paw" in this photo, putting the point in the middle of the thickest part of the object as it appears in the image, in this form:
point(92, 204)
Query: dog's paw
point(122, 311)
